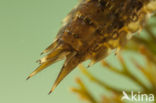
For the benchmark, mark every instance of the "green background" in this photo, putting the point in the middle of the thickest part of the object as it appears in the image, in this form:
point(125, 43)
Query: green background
point(26, 28)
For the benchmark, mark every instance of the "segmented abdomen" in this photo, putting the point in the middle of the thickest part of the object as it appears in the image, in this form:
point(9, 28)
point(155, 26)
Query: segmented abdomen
point(94, 28)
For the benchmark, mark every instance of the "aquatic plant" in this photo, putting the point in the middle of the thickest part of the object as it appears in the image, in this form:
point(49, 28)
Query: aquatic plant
point(146, 46)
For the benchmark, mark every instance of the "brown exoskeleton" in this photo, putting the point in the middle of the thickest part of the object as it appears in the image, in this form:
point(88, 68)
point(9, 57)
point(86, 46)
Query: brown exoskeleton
point(92, 29)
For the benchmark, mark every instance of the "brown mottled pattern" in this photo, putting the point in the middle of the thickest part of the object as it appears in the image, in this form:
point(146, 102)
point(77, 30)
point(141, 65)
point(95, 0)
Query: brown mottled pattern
point(91, 30)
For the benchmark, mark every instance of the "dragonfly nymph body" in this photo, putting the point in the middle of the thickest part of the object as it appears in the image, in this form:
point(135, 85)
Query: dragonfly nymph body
point(93, 29)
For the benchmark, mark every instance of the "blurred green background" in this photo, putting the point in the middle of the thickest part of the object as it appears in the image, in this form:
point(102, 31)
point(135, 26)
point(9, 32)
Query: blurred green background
point(26, 28)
